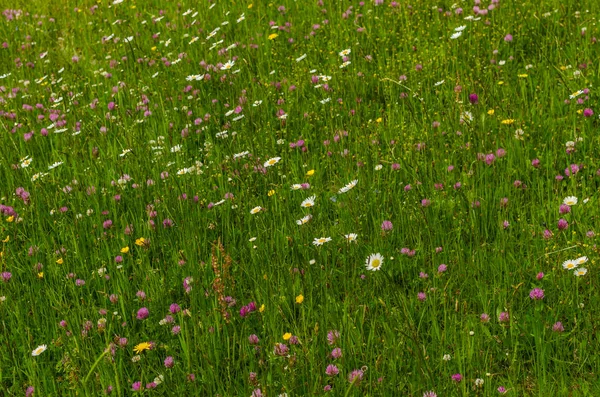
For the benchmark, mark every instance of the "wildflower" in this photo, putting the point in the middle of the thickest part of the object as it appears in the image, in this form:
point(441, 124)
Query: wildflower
point(478, 382)
point(299, 299)
point(124, 250)
point(580, 272)
point(447, 357)
point(304, 220)
point(562, 224)
point(536, 294)
point(321, 240)
point(501, 390)
point(281, 349)
point(273, 36)
point(558, 327)
point(344, 53)
point(271, 162)
point(309, 202)
point(374, 262)
point(571, 200)
point(256, 210)
point(332, 370)
point(140, 241)
point(333, 336)
point(39, 350)
point(310, 173)
point(348, 187)
point(228, 65)
point(569, 264)
point(421, 296)
point(386, 225)
point(141, 347)
point(351, 237)
point(169, 362)
point(355, 376)
point(143, 313)
point(457, 377)
point(581, 260)
point(504, 317)
point(473, 98)
point(430, 393)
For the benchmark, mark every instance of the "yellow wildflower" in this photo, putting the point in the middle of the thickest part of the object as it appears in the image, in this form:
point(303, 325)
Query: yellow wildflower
point(124, 250)
point(41, 275)
point(271, 192)
point(10, 219)
point(508, 121)
point(272, 36)
point(141, 347)
point(310, 173)
point(60, 261)
point(262, 308)
point(299, 299)
point(287, 336)
point(490, 112)
point(6, 239)
point(140, 241)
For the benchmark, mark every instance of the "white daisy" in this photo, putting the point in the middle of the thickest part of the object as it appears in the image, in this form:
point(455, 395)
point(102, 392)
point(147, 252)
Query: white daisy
point(351, 237)
point(460, 28)
point(321, 240)
point(456, 35)
point(569, 264)
point(581, 260)
point(309, 202)
point(296, 186)
point(580, 272)
point(374, 262)
point(349, 186)
point(304, 220)
point(255, 210)
point(345, 52)
point(39, 350)
point(571, 200)
point(272, 161)
point(228, 65)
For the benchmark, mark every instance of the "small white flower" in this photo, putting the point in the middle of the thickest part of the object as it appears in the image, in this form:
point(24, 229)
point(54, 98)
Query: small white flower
point(321, 240)
point(39, 350)
point(447, 357)
point(456, 35)
point(255, 210)
point(378, 167)
point(571, 200)
point(271, 161)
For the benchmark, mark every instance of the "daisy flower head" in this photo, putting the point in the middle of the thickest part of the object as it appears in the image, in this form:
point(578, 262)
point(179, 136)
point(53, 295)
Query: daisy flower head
point(256, 210)
point(304, 220)
point(569, 264)
point(296, 186)
point(39, 350)
point(345, 52)
point(271, 162)
point(321, 240)
point(228, 65)
point(374, 262)
point(351, 237)
point(309, 202)
point(580, 272)
point(348, 187)
point(581, 260)
point(571, 200)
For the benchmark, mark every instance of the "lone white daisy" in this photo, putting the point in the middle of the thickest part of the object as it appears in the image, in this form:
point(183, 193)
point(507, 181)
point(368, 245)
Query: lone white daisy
point(39, 350)
point(569, 264)
point(309, 202)
point(255, 210)
point(321, 240)
point(374, 262)
point(304, 220)
point(351, 237)
point(349, 186)
point(272, 161)
point(228, 65)
point(571, 200)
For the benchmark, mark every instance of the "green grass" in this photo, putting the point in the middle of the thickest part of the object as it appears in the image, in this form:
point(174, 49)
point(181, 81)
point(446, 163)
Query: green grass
point(405, 132)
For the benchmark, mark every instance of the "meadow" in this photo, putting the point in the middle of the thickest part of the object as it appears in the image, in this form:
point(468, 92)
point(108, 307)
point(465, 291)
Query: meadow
point(299, 198)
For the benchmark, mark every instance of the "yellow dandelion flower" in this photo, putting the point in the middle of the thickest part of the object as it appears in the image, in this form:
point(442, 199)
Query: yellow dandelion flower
point(579, 111)
point(490, 112)
point(153, 48)
point(141, 347)
point(310, 173)
point(299, 299)
point(287, 336)
point(379, 120)
point(10, 219)
point(60, 261)
point(124, 250)
point(273, 36)
point(140, 241)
